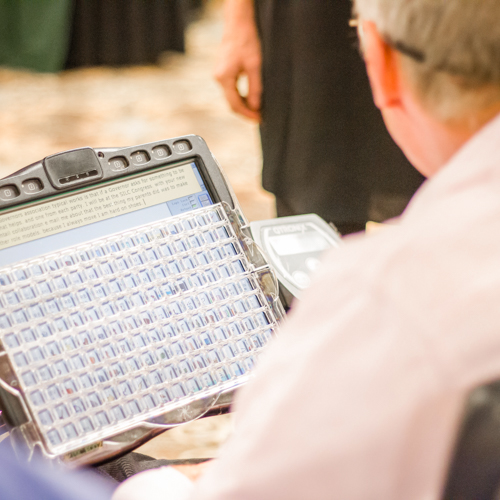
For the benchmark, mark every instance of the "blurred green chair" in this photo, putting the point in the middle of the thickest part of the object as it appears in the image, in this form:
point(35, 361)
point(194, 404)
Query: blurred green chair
point(51, 35)
point(35, 34)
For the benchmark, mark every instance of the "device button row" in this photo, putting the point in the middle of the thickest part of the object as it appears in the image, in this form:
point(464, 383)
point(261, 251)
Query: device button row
point(141, 157)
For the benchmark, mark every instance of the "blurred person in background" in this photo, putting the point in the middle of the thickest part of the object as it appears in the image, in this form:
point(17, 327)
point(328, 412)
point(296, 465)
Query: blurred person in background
point(361, 395)
point(325, 147)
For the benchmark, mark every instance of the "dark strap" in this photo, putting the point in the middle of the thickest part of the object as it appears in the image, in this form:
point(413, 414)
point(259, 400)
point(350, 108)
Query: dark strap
point(133, 463)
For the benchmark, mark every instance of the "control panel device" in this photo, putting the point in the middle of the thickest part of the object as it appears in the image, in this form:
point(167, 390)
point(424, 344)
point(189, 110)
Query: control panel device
point(293, 246)
point(132, 296)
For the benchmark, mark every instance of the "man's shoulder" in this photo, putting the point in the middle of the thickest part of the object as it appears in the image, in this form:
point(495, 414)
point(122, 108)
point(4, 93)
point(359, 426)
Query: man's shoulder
point(420, 262)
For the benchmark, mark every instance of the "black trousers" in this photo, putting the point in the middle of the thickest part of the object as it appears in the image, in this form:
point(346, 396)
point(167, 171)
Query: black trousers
point(325, 147)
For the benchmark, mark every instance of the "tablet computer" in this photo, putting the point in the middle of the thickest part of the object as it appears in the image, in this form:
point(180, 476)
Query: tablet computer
point(132, 296)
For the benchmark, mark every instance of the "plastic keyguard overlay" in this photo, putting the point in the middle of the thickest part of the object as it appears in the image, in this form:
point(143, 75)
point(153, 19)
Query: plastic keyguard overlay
point(115, 332)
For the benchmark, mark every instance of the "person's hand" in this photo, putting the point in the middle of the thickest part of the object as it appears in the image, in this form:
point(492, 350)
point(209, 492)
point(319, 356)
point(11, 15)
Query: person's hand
point(240, 55)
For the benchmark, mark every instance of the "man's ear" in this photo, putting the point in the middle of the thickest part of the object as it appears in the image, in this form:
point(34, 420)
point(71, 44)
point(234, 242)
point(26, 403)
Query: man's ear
point(383, 66)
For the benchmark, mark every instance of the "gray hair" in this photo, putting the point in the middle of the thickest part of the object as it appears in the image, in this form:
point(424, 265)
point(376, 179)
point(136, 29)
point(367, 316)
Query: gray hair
point(459, 44)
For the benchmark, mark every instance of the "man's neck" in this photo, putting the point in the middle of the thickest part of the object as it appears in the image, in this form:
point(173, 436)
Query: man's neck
point(443, 139)
point(459, 133)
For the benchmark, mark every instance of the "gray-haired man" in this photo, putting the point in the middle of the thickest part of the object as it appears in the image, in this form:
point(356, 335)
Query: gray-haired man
point(361, 395)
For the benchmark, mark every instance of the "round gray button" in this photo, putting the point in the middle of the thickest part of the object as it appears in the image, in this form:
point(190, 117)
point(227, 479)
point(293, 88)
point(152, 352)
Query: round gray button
point(161, 152)
point(182, 146)
point(140, 157)
point(312, 263)
point(302, 280)
point(8, 192)
point(118, 163)
point(32, 186)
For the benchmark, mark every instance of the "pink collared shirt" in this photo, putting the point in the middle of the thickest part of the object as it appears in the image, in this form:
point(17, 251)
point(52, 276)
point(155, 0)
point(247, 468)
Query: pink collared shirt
point(361, 395)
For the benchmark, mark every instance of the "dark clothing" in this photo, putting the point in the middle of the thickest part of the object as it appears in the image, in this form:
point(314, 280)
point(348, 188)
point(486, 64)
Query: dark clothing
point(132, 463)
point(125, 32)
point(326, 149)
